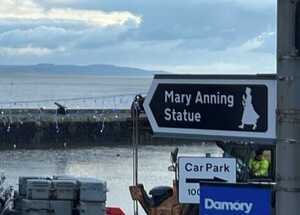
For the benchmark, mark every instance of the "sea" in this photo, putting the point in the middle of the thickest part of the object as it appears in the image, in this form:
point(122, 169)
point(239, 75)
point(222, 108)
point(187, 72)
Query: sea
point(34, 90)
point(113, 164)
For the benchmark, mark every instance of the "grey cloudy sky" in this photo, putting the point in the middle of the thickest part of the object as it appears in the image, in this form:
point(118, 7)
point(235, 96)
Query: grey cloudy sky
point(195, 36)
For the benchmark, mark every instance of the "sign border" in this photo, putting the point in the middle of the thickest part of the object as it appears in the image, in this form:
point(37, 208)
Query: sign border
point(266, 137)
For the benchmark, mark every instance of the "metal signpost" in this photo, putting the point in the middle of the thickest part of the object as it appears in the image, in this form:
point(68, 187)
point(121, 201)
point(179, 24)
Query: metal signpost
point(288, 123)
point(214, 107)
point(224, 199)
point(193, 170)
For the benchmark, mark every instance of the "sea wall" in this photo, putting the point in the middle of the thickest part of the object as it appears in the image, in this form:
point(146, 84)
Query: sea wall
point(45, 128)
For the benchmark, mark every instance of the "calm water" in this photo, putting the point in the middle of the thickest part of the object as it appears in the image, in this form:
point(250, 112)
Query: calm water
point(100, 162)
point(74, 91)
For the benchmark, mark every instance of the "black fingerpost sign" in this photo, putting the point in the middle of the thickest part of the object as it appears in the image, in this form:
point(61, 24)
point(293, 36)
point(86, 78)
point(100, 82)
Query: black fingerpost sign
point(237, 106)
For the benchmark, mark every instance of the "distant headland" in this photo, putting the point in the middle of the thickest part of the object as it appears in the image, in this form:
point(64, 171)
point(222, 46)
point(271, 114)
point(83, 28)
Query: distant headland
point(95, 69)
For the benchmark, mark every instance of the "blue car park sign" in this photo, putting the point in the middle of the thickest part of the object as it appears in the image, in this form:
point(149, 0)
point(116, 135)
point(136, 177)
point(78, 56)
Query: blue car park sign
point(222, 199)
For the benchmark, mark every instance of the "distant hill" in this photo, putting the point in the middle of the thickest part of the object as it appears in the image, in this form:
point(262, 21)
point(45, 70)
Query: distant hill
point(97, 69)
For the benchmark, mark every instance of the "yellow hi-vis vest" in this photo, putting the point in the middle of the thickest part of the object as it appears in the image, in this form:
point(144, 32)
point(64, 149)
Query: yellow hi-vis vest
point(259, 168)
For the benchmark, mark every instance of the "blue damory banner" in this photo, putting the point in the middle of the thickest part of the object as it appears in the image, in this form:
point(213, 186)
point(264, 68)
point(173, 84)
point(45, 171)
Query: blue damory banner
point(216, 199)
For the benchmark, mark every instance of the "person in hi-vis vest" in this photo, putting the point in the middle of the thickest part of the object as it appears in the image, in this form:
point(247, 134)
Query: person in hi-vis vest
point(259, 166)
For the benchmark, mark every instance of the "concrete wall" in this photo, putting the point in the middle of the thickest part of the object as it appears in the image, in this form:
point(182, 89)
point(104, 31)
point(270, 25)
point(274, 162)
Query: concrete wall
point(34, 128)
point(44, 129)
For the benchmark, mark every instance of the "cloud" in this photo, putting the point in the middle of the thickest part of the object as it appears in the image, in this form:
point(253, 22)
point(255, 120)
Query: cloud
point(47, 37)
point(29, 28)
point(226, 23)
point(165, 56)
point(29, 10)
point(260, 42)
point(193, 36)
point(255, 4)
point(205, 24)
point(33, 51)
point(116, 4)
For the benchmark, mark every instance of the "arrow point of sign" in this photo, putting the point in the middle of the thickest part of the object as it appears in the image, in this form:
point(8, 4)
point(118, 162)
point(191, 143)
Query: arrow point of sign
point(219, 179)
point(198, 180)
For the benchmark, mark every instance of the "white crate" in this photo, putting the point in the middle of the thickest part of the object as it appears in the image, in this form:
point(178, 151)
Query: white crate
point(64, 177)
point(92, 208)
point(46, 207)
point(65, 189)
point(23, 184)
point(38, 189)
point(36, 207)
point(61, 207)
point(92, 190)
